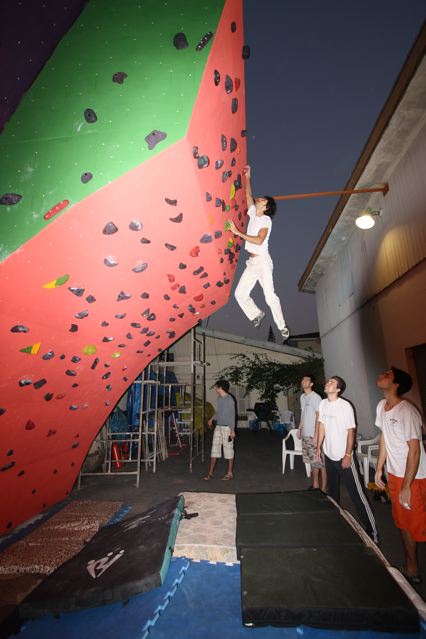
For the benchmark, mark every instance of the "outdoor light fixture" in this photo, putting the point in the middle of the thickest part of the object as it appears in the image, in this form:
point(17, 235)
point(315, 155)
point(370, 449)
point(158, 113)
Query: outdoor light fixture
point(366, 220)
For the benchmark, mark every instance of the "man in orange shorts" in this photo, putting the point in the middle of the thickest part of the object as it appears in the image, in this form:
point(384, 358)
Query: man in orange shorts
point(401, 447)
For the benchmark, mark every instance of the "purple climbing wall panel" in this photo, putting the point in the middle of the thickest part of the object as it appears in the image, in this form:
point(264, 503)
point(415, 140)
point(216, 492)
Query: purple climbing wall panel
point(96, 295)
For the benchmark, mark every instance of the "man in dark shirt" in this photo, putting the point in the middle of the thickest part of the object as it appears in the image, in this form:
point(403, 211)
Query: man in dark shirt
point(224, 432)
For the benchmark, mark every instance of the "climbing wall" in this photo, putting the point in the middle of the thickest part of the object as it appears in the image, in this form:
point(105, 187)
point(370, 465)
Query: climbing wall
point(118, 172)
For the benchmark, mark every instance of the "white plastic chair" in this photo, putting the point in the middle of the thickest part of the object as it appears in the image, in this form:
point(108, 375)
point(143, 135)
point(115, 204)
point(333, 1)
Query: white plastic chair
point(297, 451)
point(365, 453)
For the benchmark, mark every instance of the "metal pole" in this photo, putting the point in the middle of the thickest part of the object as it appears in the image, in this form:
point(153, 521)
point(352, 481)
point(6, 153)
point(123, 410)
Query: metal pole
point(300, 196)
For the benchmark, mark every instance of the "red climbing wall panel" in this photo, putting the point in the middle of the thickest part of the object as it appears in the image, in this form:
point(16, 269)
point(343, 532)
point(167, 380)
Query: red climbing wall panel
point(90, 300)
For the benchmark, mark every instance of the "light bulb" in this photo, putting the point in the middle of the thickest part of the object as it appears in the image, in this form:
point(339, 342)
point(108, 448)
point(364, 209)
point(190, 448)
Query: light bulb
point(365, 221)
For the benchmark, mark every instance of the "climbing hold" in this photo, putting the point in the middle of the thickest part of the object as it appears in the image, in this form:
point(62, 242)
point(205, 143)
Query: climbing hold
point(81, 314)
point(135, 225)
point(75, 359)
point(177, 219)
point(182, 290)
point(216, 77)
point(166, 297)
point(204, 40)
point(203, 162)
point(243, 133)
point(225, 175)
point(223, 142)
point(208, 197)
point(31, 350)
point(151, 317)
point(108, 338)
point(171, 278)
point(237, 83)
point(140, 266)
point(171, 202)
point(90, 116)
point(232, 192)
point(79, 292)
point(86, 177)
point(119, 77)
point(218, 164)
point(48, 355)
point(39, 383)
point(73, 328)
point(234, 105)
point(109, 229)
point(89, 349)
point(199, 298)
point(233, 145)
point(182, 266)
point(2, 411)
point(30, 425)
point(194, 252)
point(170, 247)
point(58, 282)
point(70, 373)
point(233, 27)
point(199, 270)
point(19, 328)
point(195, 154)
point(153, 138)
point(218, 202)
point(56, 209)
point(110, 261)
point(95, 363)
point(206, 238)
point(145, 240)
point(219, 284)
point(207, 285)
point(123, 296)
point(229, 85)
point(144, 296)
point(8, 199)
point(180, 41)
point(217, 234)
point(120, 315)
point(90, 299)
point(246, 52)
point(237, 182)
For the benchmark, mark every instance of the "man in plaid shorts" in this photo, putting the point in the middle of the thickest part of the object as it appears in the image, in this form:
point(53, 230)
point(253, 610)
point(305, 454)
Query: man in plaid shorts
point(308, 432)
point(224, 432)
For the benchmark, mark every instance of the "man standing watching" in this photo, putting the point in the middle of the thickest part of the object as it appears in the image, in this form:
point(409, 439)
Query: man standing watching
point(308, 432)
point(337, 431)
point(224, 432)
point(259, 266)
point(402, 449)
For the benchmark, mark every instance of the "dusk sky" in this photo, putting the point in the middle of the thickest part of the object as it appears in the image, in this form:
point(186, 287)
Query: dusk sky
point(318, 76)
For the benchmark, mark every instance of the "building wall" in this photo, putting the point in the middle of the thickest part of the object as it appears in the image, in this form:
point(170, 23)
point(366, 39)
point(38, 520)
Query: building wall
point(371, 300)
point(218, 357)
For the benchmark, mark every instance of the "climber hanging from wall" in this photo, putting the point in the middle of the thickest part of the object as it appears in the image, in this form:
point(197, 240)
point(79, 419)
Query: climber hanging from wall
point(259, 266)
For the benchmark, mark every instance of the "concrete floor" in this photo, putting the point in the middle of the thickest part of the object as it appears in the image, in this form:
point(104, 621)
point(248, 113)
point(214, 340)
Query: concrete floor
point(257, 469)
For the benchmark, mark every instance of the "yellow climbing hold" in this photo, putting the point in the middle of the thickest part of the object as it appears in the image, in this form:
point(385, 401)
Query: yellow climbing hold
point(58, 282)
point(232, 192)
point(89, 349)
point(230, 242)
point(115, 355)
point(31, 350)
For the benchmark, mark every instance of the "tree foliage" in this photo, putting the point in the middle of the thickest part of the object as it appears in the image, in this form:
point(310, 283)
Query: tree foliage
point(269, 377)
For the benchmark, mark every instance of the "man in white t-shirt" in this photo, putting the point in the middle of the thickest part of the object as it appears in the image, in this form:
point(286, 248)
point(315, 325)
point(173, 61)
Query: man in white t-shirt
point(308, 432)
point(259, 266)
point(401, 447)
point(336, 430)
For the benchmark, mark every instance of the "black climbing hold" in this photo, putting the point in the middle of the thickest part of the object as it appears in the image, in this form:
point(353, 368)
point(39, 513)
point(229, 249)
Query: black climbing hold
point(182, 265)
point(216, 77)
point(233, 27)
point(206, 285)
point(95, 363)
point(203, 162)
point(106, 375)
point(153, 138)
point(178, 219)
point(79, 292)
point(229, 85)
point(170, 247)
point(144, 296)
point(123, 296)
point(19, 328)
point(144, 330)
point(217, 234)
point(172, 319)
point(225, 176)
point(180, 41)
point(75, 359)
point(191, 309)
point(39, 383)
point(237, 182)
point(86, 177)
point(110, 261)
point(135, 225)
point(21, 472)
point(108, 339)
point(8, 199)
point(243, 133)
point(120, 315)
point(204, 275)
point(135, 325)
point(182, 290)
point(145, 240)
point(206, 238)
point(234, 105)
point(9, 453)
point(147, 342)
point(90, 116)
point(109, 229)
point(195, 154)
point(199, 270)
point(145, 314)
point(7, 466)
point(171, 334)
point(233, 162)
point(246, 52)
point(75, 445)
point(81, 314)
point(232, 145)
point(140, 267)
point(166, 297)
point(151, 317)
point(119, 77)
point(171, 202)
point(2, 411)
point(223, 142)
point(104, 324)
point(150, 333)
point(218, 202)
point(90, 299)
point(219, 284)
point(204, 40)
point(218, 164)
point(70, 373)
point(48, 397)
point(208, 197)
point(63, 356)
point(74, 407)
point(73, 328)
